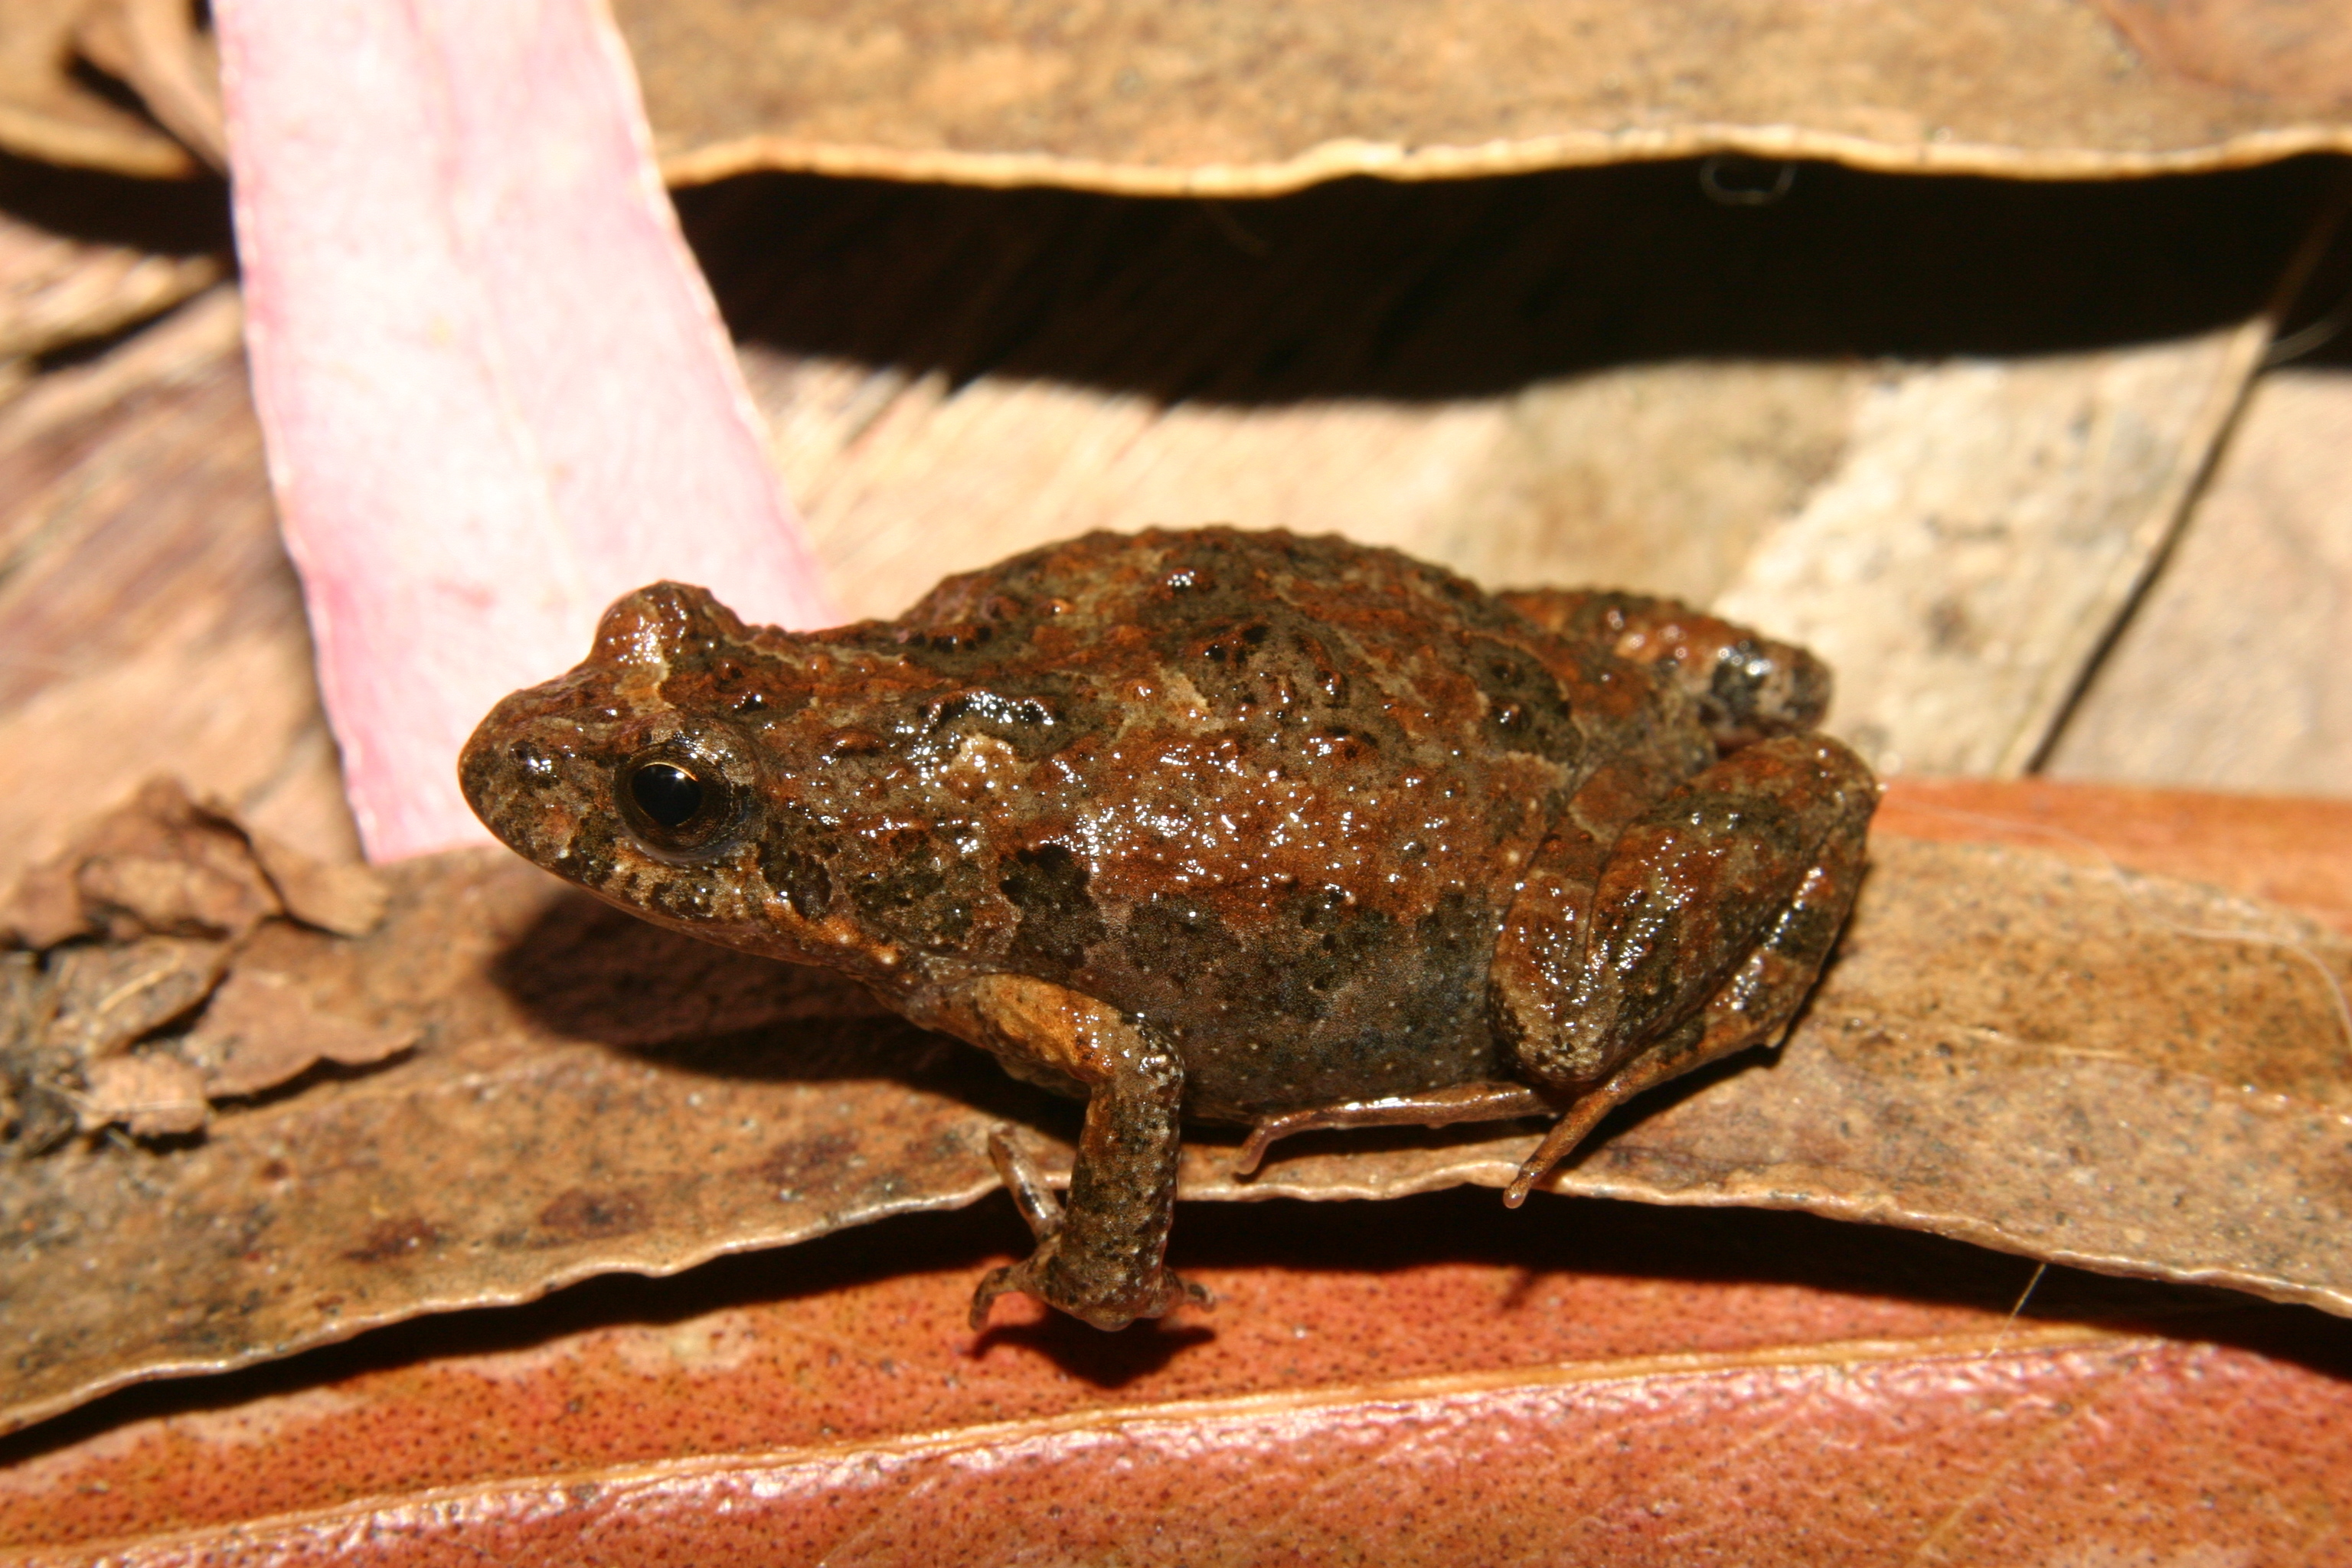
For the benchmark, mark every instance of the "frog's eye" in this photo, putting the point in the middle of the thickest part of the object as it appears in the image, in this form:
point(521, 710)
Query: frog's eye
point(677, 803)
point(666, 793)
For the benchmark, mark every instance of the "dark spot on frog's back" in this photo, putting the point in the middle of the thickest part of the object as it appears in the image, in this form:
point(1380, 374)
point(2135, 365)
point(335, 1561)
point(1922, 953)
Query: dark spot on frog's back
point(1059, 919)
point(1044, 712)
point(1525, 708)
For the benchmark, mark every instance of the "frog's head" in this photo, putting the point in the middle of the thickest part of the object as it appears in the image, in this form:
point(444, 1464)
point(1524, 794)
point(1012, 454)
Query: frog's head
point(657, 774)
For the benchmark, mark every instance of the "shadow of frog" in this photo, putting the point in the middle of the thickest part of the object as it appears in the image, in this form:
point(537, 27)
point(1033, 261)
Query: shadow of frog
point(584, 970)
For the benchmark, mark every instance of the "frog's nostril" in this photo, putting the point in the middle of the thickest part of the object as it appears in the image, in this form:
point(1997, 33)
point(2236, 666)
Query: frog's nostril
point(534, 764)
point(666, 793)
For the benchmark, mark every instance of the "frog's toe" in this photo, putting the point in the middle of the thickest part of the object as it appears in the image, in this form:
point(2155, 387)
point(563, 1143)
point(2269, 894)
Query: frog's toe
point(1026, 1182)
point(1191, 1290)
point(996, 1282)
point(1161, 1294)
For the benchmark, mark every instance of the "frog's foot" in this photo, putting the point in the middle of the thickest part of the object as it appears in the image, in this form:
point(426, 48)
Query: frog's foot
point(1099, 1249)
point(1043, 1274)
point(1432, 1107)
point(1644, 1072)
point(1063, 1282)
point(1754, 1007)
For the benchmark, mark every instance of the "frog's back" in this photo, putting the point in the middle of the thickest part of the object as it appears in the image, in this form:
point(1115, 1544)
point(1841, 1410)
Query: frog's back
point(1292, 785)
point(1267, 634)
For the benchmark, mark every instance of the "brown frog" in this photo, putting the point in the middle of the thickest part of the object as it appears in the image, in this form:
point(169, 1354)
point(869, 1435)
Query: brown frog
point(1244, 827)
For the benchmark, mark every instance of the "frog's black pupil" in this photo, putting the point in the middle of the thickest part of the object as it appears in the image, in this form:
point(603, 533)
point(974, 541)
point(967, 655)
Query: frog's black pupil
point(666, 793)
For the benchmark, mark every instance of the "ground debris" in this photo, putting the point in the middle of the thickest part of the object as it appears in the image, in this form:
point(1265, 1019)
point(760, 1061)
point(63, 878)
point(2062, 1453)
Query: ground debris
point(139, 991)
point(2125, 1073)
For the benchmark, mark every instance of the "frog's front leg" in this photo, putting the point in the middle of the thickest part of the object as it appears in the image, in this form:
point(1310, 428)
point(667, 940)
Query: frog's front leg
point(1098, 1254)
point(1697, 933)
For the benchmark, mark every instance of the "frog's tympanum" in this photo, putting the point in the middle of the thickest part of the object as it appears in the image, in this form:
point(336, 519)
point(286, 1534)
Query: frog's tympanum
point(1241, 828)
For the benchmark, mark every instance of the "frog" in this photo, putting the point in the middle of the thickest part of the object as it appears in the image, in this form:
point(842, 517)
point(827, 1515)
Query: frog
point(1220, 827)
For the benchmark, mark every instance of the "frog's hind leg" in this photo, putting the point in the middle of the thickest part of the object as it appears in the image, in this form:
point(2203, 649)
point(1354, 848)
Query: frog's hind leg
point(1100, 1251)
point(1432, 1107)
point(1754, 1007)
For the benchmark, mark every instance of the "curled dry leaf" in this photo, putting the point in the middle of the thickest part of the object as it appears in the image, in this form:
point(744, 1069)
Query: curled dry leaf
point(159, 864)
point(109, 995)
point(165, 864)
point(263, 1027)
point(141, 918)
point(2139, 1076)
point(345, 897)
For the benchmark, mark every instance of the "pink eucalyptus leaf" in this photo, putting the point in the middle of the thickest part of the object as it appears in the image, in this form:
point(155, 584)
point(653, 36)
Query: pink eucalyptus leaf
point(496, 391)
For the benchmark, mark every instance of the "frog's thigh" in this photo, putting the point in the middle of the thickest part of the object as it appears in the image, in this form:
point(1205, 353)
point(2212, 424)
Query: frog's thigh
point(1102, 1263)
point(1754, 1007)
point(1724, 898)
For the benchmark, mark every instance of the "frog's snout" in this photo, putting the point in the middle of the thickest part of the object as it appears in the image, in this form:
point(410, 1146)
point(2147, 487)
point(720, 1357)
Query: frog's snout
point(498, 768)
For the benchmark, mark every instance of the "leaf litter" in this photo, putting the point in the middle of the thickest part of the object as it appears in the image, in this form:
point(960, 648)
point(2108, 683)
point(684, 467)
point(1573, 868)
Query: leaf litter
point(2070, 1062)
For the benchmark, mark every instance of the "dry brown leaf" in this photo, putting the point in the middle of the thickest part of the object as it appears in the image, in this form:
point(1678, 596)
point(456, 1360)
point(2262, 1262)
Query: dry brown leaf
point(1957, 530)
point(159, 864)
point(1983, 534)
point(46, 111)
point(155, 1096)
point(2226, 676)
point(2139, 1076)
point(342, 897)
point(1235, 98)
point(152, 619)
point(262, 1028)
point(172, 891)
point(111, 994)
point(165, 864)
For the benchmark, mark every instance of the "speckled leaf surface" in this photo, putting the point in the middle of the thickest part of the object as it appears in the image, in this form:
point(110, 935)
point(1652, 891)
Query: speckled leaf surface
point(2134, 1075)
